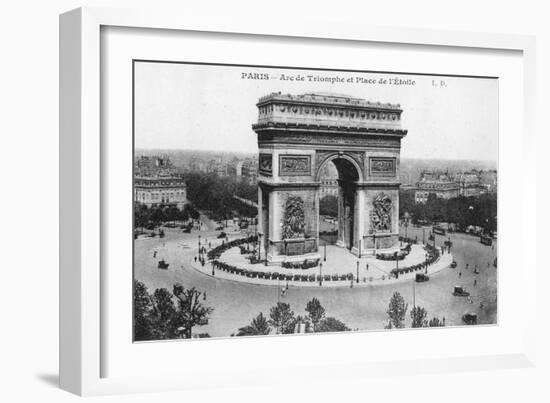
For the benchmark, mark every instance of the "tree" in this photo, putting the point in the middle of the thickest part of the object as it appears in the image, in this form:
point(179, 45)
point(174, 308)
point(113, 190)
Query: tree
point(418, 316)
point(143, 329)
point(328, 206)
point(315, 312)
point(436, 322)
point(258, 327)
point(141, 215)
point(282, 318)
point(190, 312)
point(397, 309)
point(163, 314)
point(157, 216)
point(331, 324)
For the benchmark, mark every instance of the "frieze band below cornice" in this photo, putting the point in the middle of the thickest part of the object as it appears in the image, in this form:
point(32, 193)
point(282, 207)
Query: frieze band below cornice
point(289, 185)
point(297, 185)
point(260, 127)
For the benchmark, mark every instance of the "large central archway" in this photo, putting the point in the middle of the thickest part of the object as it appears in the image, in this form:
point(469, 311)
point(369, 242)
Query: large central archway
point(297, 136)
point(349, 174)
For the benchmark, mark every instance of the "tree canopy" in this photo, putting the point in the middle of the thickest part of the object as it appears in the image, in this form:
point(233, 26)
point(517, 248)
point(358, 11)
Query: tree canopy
point(157, 317)
point(478, 211)
point(258, 327)
point(215, 195)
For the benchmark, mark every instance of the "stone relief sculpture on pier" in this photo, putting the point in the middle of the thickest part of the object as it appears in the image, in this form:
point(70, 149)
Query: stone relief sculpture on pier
point(381, 214)
point(294, 218)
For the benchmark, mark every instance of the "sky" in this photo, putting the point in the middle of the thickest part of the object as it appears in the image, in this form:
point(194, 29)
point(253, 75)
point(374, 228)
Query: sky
point(212, 107)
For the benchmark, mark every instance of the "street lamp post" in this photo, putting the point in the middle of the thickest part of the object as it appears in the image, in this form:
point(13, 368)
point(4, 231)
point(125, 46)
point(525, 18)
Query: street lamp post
point(320, 274)
point(406, 219)
point(426, 260)
point(414, 296)
point(199, 244)
point(357, 277)
point(396, 266)
point(325, 255)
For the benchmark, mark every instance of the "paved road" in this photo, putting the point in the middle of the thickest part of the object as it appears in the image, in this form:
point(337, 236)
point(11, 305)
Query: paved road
point(235, 304)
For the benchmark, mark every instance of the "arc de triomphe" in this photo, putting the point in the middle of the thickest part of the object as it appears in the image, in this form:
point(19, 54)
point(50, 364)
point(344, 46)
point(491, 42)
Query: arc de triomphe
point(297, 136)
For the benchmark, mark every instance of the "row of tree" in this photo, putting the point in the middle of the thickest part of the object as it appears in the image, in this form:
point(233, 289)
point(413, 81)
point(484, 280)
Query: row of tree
point(397, 311)
point(168, 315)
point(283, 320)
point(478, 211)
point(152, 217)
point(215, 195)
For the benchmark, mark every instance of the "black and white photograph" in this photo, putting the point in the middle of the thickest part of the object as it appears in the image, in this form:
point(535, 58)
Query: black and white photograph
point(290, 200)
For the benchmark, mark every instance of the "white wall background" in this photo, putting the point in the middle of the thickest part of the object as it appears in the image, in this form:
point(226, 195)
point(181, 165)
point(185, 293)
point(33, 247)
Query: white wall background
point(29, 202)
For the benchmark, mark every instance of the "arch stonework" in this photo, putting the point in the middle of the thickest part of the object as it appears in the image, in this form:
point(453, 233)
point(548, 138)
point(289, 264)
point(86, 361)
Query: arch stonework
point(338, 155)
point(297, 136)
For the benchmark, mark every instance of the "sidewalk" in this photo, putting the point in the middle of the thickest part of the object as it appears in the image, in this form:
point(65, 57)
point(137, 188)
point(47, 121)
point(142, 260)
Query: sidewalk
point(378, 276)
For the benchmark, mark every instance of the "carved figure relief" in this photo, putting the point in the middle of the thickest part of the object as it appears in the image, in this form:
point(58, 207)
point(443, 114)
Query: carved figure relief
point(294, 219)
point(295, 165)
point(382, 166)
point(380, 217)
point(266, 164)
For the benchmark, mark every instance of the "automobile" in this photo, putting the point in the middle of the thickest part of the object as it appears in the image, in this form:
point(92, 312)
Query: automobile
point(163, 265)
point(421, 277)
point(438, 230)
point(459, 291)
point(219, 227)
point(469, 318)
point(187, 230)
point(453, 264)
point(486, 240)
point(222, 235)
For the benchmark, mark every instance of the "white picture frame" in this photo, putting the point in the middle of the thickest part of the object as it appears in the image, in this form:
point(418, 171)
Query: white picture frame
point(81, 186)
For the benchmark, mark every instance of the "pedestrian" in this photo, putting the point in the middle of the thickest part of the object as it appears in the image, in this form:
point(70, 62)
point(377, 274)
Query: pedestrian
point(475, 282)
point(459, 274)
point(466, 266)
point(195, 259)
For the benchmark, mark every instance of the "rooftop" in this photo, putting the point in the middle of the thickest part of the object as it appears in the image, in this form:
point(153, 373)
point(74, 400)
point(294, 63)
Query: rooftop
point(327, 98)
